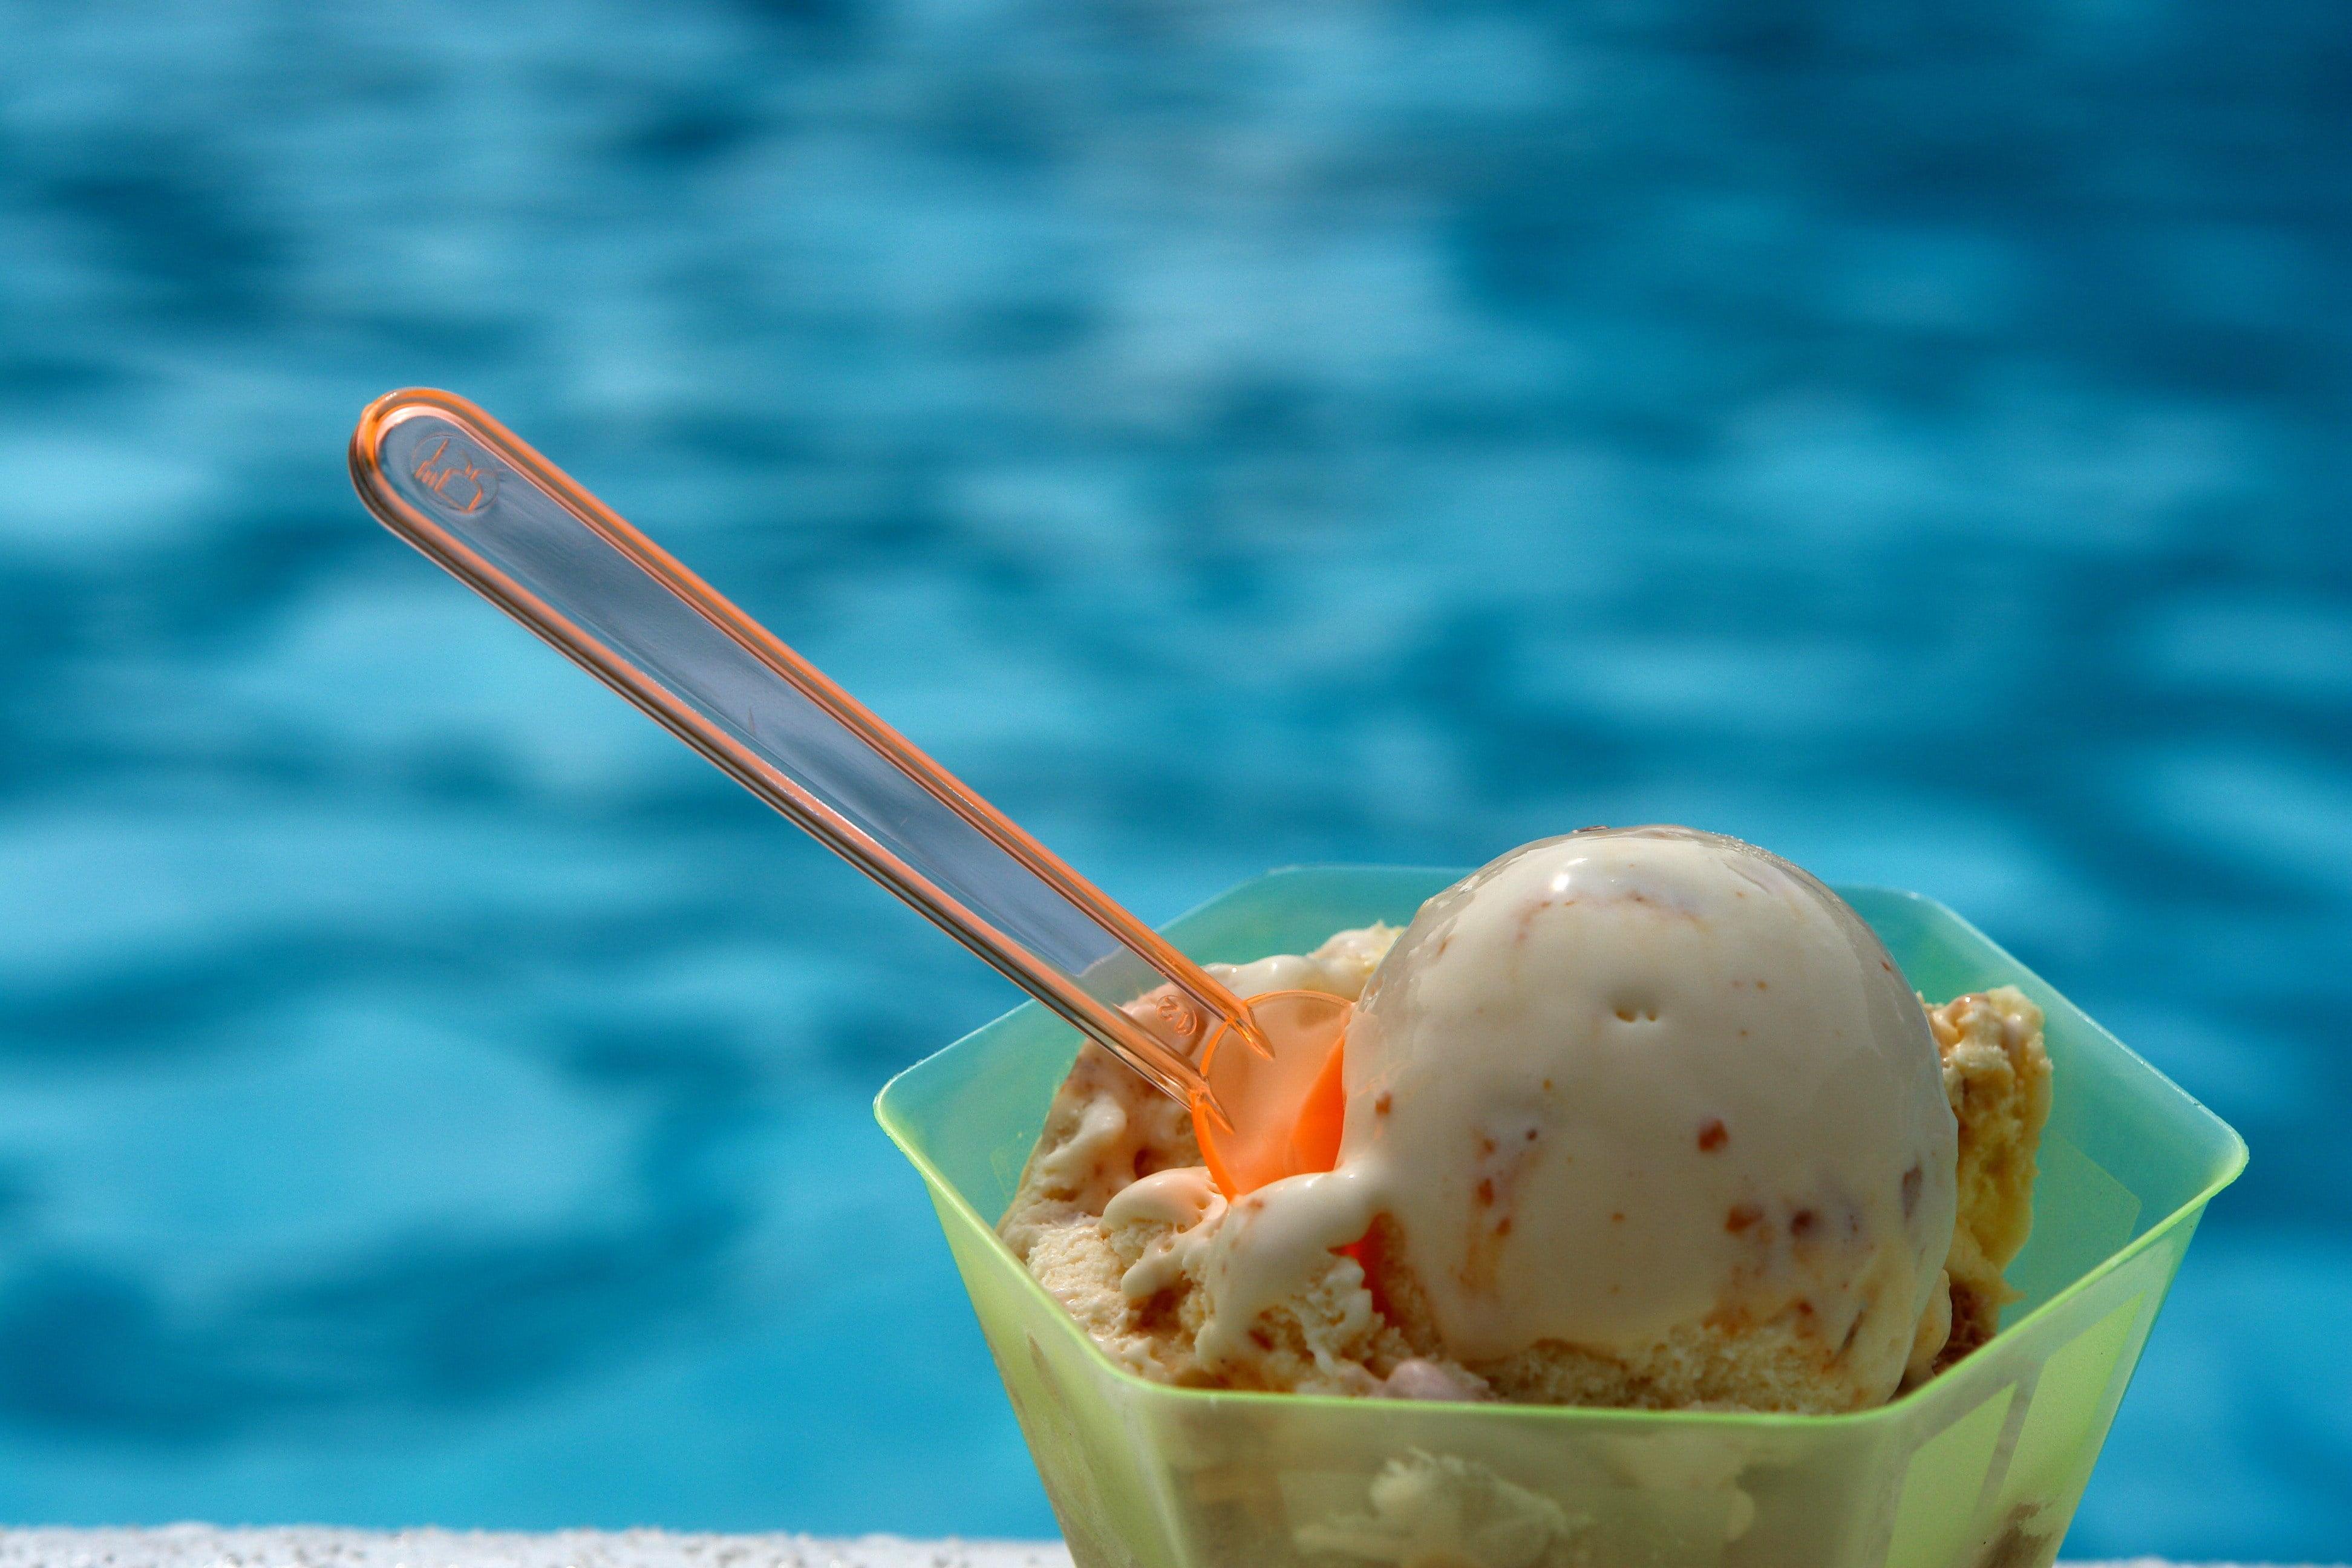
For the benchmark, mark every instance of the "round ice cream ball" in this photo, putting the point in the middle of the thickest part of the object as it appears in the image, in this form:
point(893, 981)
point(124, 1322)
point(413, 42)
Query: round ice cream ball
point(1655, 1120)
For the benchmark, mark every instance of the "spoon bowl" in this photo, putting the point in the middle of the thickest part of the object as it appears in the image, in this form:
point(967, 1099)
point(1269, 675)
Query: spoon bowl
point(1286, 1094)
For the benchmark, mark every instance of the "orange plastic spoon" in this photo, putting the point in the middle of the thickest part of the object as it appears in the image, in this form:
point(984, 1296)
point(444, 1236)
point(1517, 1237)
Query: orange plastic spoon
point(1294, 1100)
point(465, 490)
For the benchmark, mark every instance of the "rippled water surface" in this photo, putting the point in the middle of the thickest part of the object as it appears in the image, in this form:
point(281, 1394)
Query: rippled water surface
point(1230, 435)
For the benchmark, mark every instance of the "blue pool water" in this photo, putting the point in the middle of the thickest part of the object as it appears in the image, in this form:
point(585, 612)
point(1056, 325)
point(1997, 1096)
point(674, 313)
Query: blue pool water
point(1229, 434)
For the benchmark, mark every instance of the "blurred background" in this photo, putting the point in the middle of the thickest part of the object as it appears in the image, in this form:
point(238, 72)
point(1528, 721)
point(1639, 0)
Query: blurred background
point(1229, 434)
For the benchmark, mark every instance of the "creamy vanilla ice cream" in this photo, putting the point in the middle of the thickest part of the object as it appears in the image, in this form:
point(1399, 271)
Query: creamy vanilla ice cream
point(1653, 1113)
point(1643, 1117)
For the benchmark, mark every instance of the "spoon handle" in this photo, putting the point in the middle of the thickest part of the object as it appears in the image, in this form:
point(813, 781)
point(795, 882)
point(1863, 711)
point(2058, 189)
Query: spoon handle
point(461, 487)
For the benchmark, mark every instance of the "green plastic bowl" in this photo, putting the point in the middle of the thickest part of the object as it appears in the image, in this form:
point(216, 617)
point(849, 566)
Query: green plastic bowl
point(1980, 1468)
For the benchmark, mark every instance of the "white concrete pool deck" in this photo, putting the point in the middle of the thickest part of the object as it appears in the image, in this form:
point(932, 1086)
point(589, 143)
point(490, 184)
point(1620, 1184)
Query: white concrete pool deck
point(206, 1546)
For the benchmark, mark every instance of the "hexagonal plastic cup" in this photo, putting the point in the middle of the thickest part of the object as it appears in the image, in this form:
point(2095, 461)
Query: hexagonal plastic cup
point(1980, 1469)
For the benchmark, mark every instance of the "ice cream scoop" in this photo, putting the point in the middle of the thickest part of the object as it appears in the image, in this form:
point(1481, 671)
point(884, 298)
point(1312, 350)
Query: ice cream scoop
point(1648, 1107)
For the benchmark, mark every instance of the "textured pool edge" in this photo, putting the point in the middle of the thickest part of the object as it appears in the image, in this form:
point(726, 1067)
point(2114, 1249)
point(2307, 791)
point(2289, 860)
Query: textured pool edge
point(310, 1546)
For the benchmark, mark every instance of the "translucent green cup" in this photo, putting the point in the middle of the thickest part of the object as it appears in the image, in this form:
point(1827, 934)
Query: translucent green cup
point(1982, 1467)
